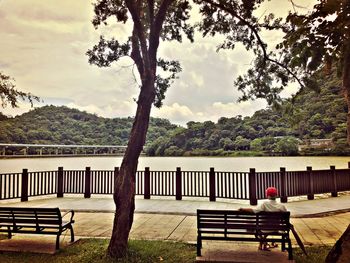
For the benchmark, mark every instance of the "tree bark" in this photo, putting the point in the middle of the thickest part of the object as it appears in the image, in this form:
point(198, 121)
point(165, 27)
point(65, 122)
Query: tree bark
point(124, 186)
point(346, 84)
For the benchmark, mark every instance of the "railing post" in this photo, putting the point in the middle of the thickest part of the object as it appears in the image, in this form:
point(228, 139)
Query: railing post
point(252, 187)
point(60, 182)
point(87, 192)
point(212, 186)
point(310, 195)
point(284, 198)
point(348, 168)
point(178, 184)
point(147, 189)
point(24, 190)
point(334, 181)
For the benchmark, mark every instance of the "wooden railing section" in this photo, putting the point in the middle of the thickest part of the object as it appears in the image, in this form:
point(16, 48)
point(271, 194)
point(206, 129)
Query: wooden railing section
point(208, 184)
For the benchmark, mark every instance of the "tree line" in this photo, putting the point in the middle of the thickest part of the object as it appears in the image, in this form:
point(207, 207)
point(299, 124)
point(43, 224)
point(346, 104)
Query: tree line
point(275, 130)
point(278, 129)
point(63, 125)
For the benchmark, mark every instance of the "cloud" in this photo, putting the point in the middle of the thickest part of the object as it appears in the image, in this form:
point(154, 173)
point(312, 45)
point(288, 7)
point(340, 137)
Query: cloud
point(23, 107)
point(108, 111)
point(196, 79)
point(231, 109)
point(181, 114)
point(207, 75)
point(43, 46)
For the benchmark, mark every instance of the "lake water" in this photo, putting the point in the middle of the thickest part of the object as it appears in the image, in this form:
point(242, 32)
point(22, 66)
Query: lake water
point(234, 164)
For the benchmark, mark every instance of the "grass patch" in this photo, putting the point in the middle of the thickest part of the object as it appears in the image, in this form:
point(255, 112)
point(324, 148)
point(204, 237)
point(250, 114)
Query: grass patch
point(316, 254)
point(94, 251)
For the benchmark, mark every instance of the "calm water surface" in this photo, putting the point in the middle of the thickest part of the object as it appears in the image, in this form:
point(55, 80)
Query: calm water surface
point(237, 164)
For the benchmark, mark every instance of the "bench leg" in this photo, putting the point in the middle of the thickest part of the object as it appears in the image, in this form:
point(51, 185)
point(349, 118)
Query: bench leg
point(71, 234)
point(283, 246)
point(290, 250)
point(199, 246)
point(9, 234)
point(58, 242)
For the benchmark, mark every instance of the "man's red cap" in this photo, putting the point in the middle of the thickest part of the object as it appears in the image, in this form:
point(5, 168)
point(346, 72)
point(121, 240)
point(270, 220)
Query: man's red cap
point(271, 191)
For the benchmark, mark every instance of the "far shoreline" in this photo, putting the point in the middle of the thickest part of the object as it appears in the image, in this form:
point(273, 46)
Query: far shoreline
point(8, 157)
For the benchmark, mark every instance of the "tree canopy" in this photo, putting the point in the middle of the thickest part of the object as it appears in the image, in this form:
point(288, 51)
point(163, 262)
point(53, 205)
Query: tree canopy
point(314, 42)
point(62, 125)
point(143, 37)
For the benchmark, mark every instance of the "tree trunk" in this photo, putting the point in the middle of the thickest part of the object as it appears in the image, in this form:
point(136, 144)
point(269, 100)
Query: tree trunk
point(341, 250)
point(346, 85)
point(124, 186)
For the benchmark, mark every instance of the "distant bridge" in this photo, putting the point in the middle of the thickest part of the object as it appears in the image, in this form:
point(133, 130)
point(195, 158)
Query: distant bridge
point(16, 149)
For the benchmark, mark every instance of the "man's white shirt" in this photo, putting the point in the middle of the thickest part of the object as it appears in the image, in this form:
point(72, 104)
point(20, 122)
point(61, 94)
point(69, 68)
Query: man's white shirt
point(270, 206)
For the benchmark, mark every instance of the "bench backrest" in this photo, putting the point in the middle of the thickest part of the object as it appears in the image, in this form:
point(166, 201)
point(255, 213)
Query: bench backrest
point(30, 217)
point(226, 219)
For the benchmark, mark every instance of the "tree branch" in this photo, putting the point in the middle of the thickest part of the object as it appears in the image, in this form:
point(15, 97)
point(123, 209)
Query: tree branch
point(160, 17)
point(140, 31)
point(151, 11)
point(258, 38)
point(135, 53)
point(156, 27)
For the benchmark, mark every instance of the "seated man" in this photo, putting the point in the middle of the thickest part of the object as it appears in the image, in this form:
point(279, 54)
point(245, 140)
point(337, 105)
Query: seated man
point(270, 205)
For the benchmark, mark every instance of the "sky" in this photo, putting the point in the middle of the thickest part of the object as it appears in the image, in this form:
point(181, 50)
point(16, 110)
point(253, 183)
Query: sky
point(43, 46)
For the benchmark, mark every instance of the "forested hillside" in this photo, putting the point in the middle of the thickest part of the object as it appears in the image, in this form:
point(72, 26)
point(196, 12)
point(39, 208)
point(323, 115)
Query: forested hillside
point(311, 114)
point(62, 125)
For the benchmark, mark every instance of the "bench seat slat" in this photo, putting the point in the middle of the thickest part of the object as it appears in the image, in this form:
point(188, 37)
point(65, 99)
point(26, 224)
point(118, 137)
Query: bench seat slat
point(29, 221)
point(227, 226)
point(237, 232)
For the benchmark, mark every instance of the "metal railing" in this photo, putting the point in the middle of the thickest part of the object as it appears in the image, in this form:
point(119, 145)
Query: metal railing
point(208, 184)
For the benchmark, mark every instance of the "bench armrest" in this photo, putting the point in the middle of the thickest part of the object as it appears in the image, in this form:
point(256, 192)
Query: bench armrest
point(71, 217)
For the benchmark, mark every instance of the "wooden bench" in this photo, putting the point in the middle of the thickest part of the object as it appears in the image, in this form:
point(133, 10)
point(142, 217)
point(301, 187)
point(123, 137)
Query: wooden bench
point(35, 221)
point(244, 226)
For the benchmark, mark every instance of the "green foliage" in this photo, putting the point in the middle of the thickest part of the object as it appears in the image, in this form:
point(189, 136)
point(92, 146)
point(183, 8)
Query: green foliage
point(263, 144)
point(235, 20)
point(62, 125)
point(318, 39)
point(3, 117)
point(8, 93)
point(153, 20)
point(173, 151)
point(313, 43)
point(309, 115)
point(287, 146)
point(241, 143)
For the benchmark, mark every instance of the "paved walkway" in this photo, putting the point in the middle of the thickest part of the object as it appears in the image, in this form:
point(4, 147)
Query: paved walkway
point(321, 230)
point(299, 207)
point(316, 221)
